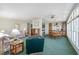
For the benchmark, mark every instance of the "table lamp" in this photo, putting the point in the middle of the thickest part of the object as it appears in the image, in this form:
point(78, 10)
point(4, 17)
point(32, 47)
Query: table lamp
point(15, 33)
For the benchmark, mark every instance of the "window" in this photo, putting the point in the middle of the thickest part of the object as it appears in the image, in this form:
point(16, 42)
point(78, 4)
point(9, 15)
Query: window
point(72, 15)
point(73, 28)
point(77, 10)
point(78, 32)
point(72, 31)
point(75, 13)
point(69, 19)
point(69, 30)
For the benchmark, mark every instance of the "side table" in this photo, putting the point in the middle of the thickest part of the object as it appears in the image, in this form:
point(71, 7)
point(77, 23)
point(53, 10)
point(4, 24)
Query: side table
point(16, 46)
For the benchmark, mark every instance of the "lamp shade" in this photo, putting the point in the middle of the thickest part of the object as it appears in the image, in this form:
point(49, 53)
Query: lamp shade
point(15, 32)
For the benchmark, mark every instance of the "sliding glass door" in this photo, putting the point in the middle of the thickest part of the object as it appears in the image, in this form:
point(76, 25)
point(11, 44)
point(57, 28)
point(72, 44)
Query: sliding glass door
point(78, 33)
point(73, 31)
point(73, 27)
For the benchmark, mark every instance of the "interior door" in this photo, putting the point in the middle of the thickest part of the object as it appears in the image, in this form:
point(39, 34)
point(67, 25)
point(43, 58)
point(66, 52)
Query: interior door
point(50, 29)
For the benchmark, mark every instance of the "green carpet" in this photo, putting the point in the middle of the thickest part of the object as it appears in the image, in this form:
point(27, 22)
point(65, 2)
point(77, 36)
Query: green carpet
point(55, 46)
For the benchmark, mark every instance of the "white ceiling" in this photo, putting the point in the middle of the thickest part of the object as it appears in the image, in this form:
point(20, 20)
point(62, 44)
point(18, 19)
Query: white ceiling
point(29, 10)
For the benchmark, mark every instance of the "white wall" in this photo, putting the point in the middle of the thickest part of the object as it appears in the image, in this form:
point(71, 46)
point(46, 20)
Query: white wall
point(53, 26)
point(37, 23)
point(58, 27)
point(46, 28)
point(40, 25)
point(8, 24)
